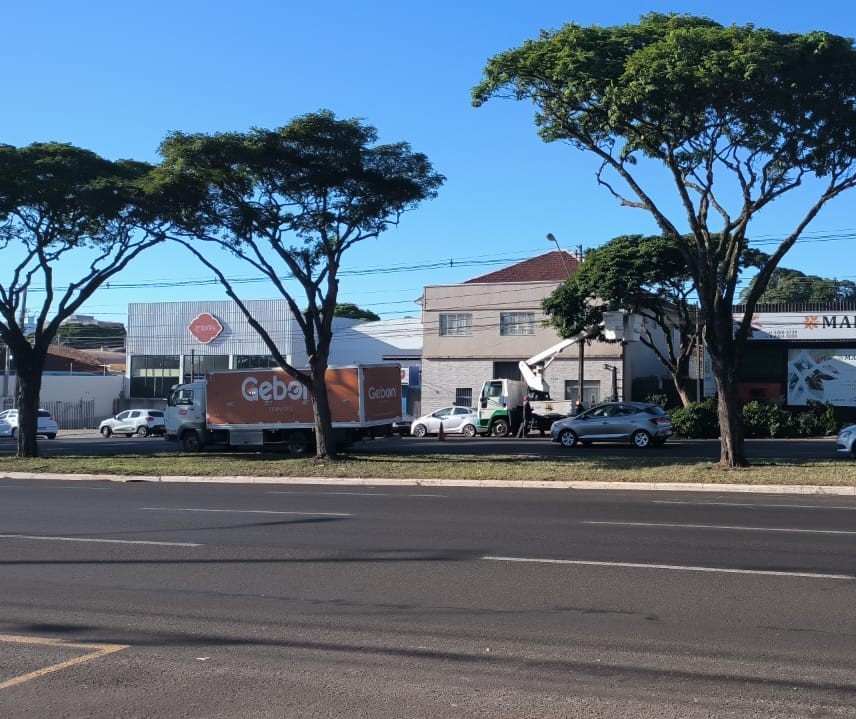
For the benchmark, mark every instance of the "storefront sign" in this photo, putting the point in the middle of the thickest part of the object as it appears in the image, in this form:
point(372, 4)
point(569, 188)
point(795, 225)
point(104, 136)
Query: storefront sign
point(205, 327)
point(824, 375)
point(802, 326)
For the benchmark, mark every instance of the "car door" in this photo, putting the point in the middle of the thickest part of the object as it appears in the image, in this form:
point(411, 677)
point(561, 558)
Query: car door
point(456, 419)
point(433, 421)
point(594, 424)
point(121, 423)
point(621, 424)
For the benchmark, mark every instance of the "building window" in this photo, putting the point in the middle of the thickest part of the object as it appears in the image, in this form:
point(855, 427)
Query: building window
point(516, 323)
point(591, 391)
point(254, 362)
point(196, 365)
point(457, 324)
point(464, 396)
point(153, 375)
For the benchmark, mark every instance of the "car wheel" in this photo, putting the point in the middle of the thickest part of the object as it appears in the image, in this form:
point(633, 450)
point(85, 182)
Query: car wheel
point(641, 439)
point(106, 432)
point(469, 430)
point(420, 430)
point(500, 428)
point(567, 438)
point(51, 436)
point(143, 431)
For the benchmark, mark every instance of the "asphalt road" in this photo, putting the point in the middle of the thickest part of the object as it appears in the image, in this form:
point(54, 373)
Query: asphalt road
point(89, 442)
point(148, 600)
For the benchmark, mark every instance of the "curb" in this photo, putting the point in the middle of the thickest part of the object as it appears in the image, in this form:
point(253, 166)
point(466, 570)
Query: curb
point(803, 489)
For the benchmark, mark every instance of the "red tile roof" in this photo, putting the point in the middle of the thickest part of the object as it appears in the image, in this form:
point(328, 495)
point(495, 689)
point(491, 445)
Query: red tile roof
point(552, 266)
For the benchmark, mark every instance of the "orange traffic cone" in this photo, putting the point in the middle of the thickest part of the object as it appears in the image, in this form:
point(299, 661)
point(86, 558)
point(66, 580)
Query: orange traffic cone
point(441, 435)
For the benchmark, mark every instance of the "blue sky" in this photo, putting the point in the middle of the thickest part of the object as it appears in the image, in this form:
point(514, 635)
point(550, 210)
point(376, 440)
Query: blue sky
point(117, 77)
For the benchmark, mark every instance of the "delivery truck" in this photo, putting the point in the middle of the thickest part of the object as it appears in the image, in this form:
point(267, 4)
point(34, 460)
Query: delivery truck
point(268, 407)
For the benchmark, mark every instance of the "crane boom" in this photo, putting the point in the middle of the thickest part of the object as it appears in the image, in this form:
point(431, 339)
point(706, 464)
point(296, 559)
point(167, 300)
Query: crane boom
point(532, 369)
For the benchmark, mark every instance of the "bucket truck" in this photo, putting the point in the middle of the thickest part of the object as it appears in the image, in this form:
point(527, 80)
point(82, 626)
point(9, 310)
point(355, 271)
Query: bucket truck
point(501, 401)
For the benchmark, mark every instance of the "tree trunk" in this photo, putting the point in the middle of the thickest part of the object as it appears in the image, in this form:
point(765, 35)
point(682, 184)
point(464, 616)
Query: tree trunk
point(27, 390)
point(729, 411)
point(325, 441)
point(681, 390)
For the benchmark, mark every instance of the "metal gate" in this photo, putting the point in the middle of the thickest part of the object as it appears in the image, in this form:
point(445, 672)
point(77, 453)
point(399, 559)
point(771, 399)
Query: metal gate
point(73, 415)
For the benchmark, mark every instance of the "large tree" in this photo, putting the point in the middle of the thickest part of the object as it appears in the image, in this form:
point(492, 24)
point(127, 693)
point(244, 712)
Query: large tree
point(61, 205)
point(735, 117)
point(290, 202)
point(646, 276)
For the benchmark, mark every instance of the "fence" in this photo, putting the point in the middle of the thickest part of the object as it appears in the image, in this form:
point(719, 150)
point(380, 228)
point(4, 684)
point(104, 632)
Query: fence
point(78, 414)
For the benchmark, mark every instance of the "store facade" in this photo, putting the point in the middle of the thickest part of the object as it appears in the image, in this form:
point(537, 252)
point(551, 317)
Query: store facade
point(795, 356)
point(173, 342)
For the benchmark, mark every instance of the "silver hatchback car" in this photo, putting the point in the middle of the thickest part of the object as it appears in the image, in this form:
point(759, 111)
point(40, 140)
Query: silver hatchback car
point(640, 423)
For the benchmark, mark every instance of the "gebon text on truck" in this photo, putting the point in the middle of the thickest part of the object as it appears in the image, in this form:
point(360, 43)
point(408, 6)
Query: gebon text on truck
point(264, 407)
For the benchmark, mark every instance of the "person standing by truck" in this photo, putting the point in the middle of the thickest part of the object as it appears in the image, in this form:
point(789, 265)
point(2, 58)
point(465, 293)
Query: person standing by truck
point(523, 429)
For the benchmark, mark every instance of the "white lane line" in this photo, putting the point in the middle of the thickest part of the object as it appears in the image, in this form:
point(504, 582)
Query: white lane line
point(102, 541)
point(783, 530)
point(362, 494)
point(245, 511)
point(670, 567)
point(744, 504)
point(30, 486)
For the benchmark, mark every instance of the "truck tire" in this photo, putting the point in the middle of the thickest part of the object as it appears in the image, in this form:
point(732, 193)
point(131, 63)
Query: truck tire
point(190, 442)
point(500, 428)
point(300, 442)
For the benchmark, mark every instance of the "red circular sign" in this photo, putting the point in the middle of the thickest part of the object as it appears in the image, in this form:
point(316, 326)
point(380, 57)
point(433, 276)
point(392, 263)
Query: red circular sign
point(205, 327)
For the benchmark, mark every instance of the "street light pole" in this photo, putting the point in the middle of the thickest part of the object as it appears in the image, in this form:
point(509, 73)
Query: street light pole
point(582, 352)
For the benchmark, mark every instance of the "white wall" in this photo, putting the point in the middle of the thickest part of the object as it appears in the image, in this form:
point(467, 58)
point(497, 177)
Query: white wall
point(102, 389)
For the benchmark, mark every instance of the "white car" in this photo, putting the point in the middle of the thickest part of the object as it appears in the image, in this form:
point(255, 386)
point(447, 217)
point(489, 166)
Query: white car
point(455, 420)
point(47, 425)
point(846, 441)
point(134, 421)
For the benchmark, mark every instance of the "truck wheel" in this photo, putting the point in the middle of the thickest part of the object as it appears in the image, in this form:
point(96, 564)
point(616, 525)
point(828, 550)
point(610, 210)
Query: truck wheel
point(500, 428)
point(190, 442)
point(300, 443)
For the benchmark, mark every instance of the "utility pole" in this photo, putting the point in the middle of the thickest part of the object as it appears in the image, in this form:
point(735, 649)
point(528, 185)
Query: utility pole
point(582, 344)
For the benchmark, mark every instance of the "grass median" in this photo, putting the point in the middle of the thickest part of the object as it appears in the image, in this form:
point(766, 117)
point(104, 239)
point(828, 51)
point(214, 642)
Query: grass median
point(641, 468)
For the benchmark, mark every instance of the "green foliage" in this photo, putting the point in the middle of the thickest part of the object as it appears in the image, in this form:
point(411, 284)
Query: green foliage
point(734, 117)
point(792, 287)
point(658, 398)
point(87, 336)
point(351, 311)
point(698, 420)
point(761, 419)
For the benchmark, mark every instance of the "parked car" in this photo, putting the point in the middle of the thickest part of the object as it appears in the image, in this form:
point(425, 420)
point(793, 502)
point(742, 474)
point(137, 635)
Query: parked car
point(846, 441)
point(47, 425)
point(402, 426)
point(640, 423)
point(134, 421)
point(455, 420)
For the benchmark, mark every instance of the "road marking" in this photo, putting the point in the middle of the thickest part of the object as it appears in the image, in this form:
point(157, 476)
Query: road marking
point(103, 541)
point(30, 486)
point(784, 530)
point(671, 567)
point(744, 504)
point(363, 494)
point(246, 511)
point(99, 650)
